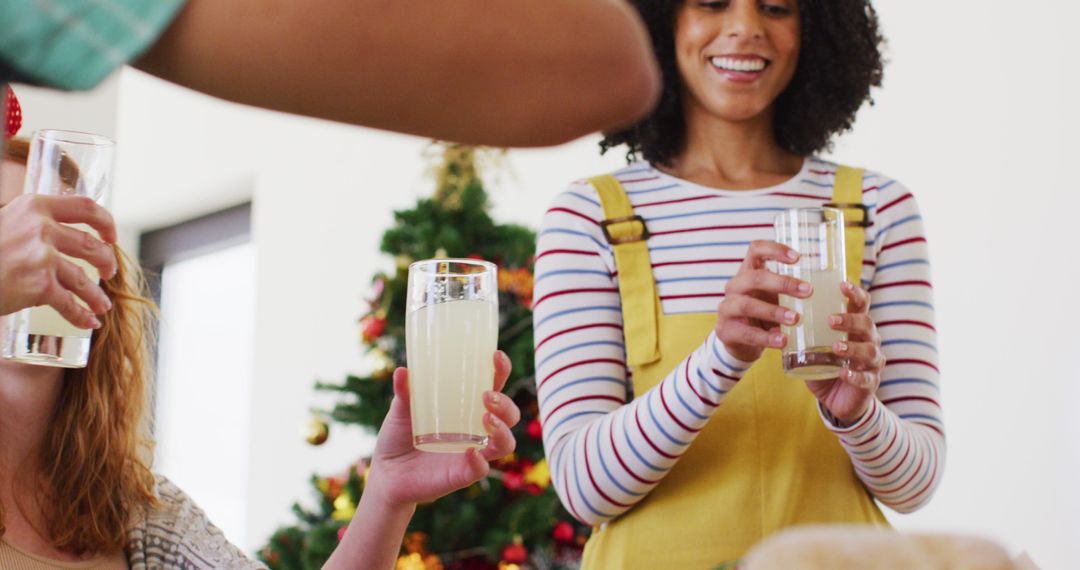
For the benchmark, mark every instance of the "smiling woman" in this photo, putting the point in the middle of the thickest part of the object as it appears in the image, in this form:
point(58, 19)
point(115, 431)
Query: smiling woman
point(835, 46)
point(667, 416)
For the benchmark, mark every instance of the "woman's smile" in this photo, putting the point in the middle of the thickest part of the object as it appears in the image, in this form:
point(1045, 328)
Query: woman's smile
point(740, 68)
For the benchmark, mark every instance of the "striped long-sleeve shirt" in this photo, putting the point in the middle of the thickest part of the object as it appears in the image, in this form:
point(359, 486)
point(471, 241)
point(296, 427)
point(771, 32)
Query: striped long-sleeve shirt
point(608, 447)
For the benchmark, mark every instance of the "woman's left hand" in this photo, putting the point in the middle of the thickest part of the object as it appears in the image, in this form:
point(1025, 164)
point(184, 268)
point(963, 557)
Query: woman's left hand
point(402, 476)
point(848, 397)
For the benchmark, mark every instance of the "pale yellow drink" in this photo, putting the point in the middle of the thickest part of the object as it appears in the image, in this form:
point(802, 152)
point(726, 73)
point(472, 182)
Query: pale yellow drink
point(44, 336)
point(450, 348)
point(809, 353)
point(817, 234)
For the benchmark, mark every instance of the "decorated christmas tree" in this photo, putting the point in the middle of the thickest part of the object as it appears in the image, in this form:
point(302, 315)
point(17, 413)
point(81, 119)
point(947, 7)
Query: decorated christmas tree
point(510, 520)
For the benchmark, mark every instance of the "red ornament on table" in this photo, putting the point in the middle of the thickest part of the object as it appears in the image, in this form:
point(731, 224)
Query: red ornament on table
point(13, 121)
point(563, 532)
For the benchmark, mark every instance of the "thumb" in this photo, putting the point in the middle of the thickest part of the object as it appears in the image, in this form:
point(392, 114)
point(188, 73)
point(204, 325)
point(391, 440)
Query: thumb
point(401, 385)
point(472, 468)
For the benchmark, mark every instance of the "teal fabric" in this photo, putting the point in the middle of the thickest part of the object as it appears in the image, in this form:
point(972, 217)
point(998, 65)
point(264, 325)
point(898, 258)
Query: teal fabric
point(75, 44)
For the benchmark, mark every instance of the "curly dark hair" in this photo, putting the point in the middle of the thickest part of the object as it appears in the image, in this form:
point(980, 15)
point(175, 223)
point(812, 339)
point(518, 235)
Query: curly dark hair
point(840, 60)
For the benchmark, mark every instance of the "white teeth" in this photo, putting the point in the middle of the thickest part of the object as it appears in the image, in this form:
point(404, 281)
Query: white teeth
point(732, 64)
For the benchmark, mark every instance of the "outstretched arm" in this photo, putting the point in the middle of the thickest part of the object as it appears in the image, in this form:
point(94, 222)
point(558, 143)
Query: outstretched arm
point(885, 408)
point(510, 73)
point(401, 476)
point(607, 454)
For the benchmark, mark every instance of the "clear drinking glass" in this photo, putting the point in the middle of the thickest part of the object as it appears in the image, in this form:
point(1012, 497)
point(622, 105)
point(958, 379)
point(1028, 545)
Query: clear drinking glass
point(60, 163)
point(818, 235)
point(451, 332)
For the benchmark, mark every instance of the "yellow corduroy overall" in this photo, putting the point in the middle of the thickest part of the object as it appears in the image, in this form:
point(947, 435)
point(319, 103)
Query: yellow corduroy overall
point(764, 461)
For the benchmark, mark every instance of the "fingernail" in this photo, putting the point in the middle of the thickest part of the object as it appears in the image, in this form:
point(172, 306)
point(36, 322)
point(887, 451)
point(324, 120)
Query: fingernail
point(108, 303)
point(95, 323)
point(841, 347)
point(835, 319)
point(489, 397)
point(789, 317)
point(804, 287)
point(792, 254)
point(778, 340)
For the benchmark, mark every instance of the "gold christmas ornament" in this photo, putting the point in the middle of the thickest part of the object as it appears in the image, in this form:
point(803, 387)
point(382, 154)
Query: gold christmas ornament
point(414, 561)
point(317, 431)
point(382, 366)
point(402, 261)
point(411, 561)
point(539, 474)
point(457, 171)
point(344, 508)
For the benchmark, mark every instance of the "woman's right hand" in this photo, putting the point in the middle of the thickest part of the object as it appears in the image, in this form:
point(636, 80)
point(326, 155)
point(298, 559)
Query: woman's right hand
point(748, 319)
point(32, 270)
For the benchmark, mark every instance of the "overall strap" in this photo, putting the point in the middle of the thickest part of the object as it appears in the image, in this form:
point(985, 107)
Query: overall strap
point(627, 234)
point(848, 196)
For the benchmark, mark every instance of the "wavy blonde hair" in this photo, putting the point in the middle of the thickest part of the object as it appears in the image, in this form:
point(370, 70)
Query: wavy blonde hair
point(96, 453)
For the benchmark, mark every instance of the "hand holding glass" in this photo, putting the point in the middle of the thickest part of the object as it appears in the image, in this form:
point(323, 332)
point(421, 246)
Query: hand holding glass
point(61, 163)
point(818, 235)
point(451, 332)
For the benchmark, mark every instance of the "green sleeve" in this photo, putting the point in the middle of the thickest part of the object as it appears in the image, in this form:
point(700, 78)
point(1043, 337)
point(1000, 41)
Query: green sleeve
point(75, 44)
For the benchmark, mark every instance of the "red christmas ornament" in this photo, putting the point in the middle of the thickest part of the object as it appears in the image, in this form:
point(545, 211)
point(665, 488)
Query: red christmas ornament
point(13, 122)
point(341, 532)
point(334, 486)
point(515, 553)
point(513, 480)
point(563, 532)
point(534, 429)
point(533, 489)
point(372, 327)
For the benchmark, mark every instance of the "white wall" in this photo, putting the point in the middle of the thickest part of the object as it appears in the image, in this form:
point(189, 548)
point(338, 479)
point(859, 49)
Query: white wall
point(978, 117)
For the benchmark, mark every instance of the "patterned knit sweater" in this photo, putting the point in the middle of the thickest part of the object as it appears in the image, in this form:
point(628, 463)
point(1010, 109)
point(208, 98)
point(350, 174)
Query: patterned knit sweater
point(177, 534)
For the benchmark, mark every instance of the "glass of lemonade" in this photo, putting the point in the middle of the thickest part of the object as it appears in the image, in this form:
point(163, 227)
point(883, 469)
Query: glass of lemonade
point(818, 235)
point(451, 332)
point(60, 163)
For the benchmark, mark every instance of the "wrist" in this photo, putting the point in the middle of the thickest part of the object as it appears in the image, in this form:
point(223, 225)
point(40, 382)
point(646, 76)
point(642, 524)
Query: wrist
point(379, 496)
point(849, 420)
point(850, 427)
point(736, 360)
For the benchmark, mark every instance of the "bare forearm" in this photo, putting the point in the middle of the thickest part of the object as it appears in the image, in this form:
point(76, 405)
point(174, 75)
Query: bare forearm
point(515, 72)
point(375, 541)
